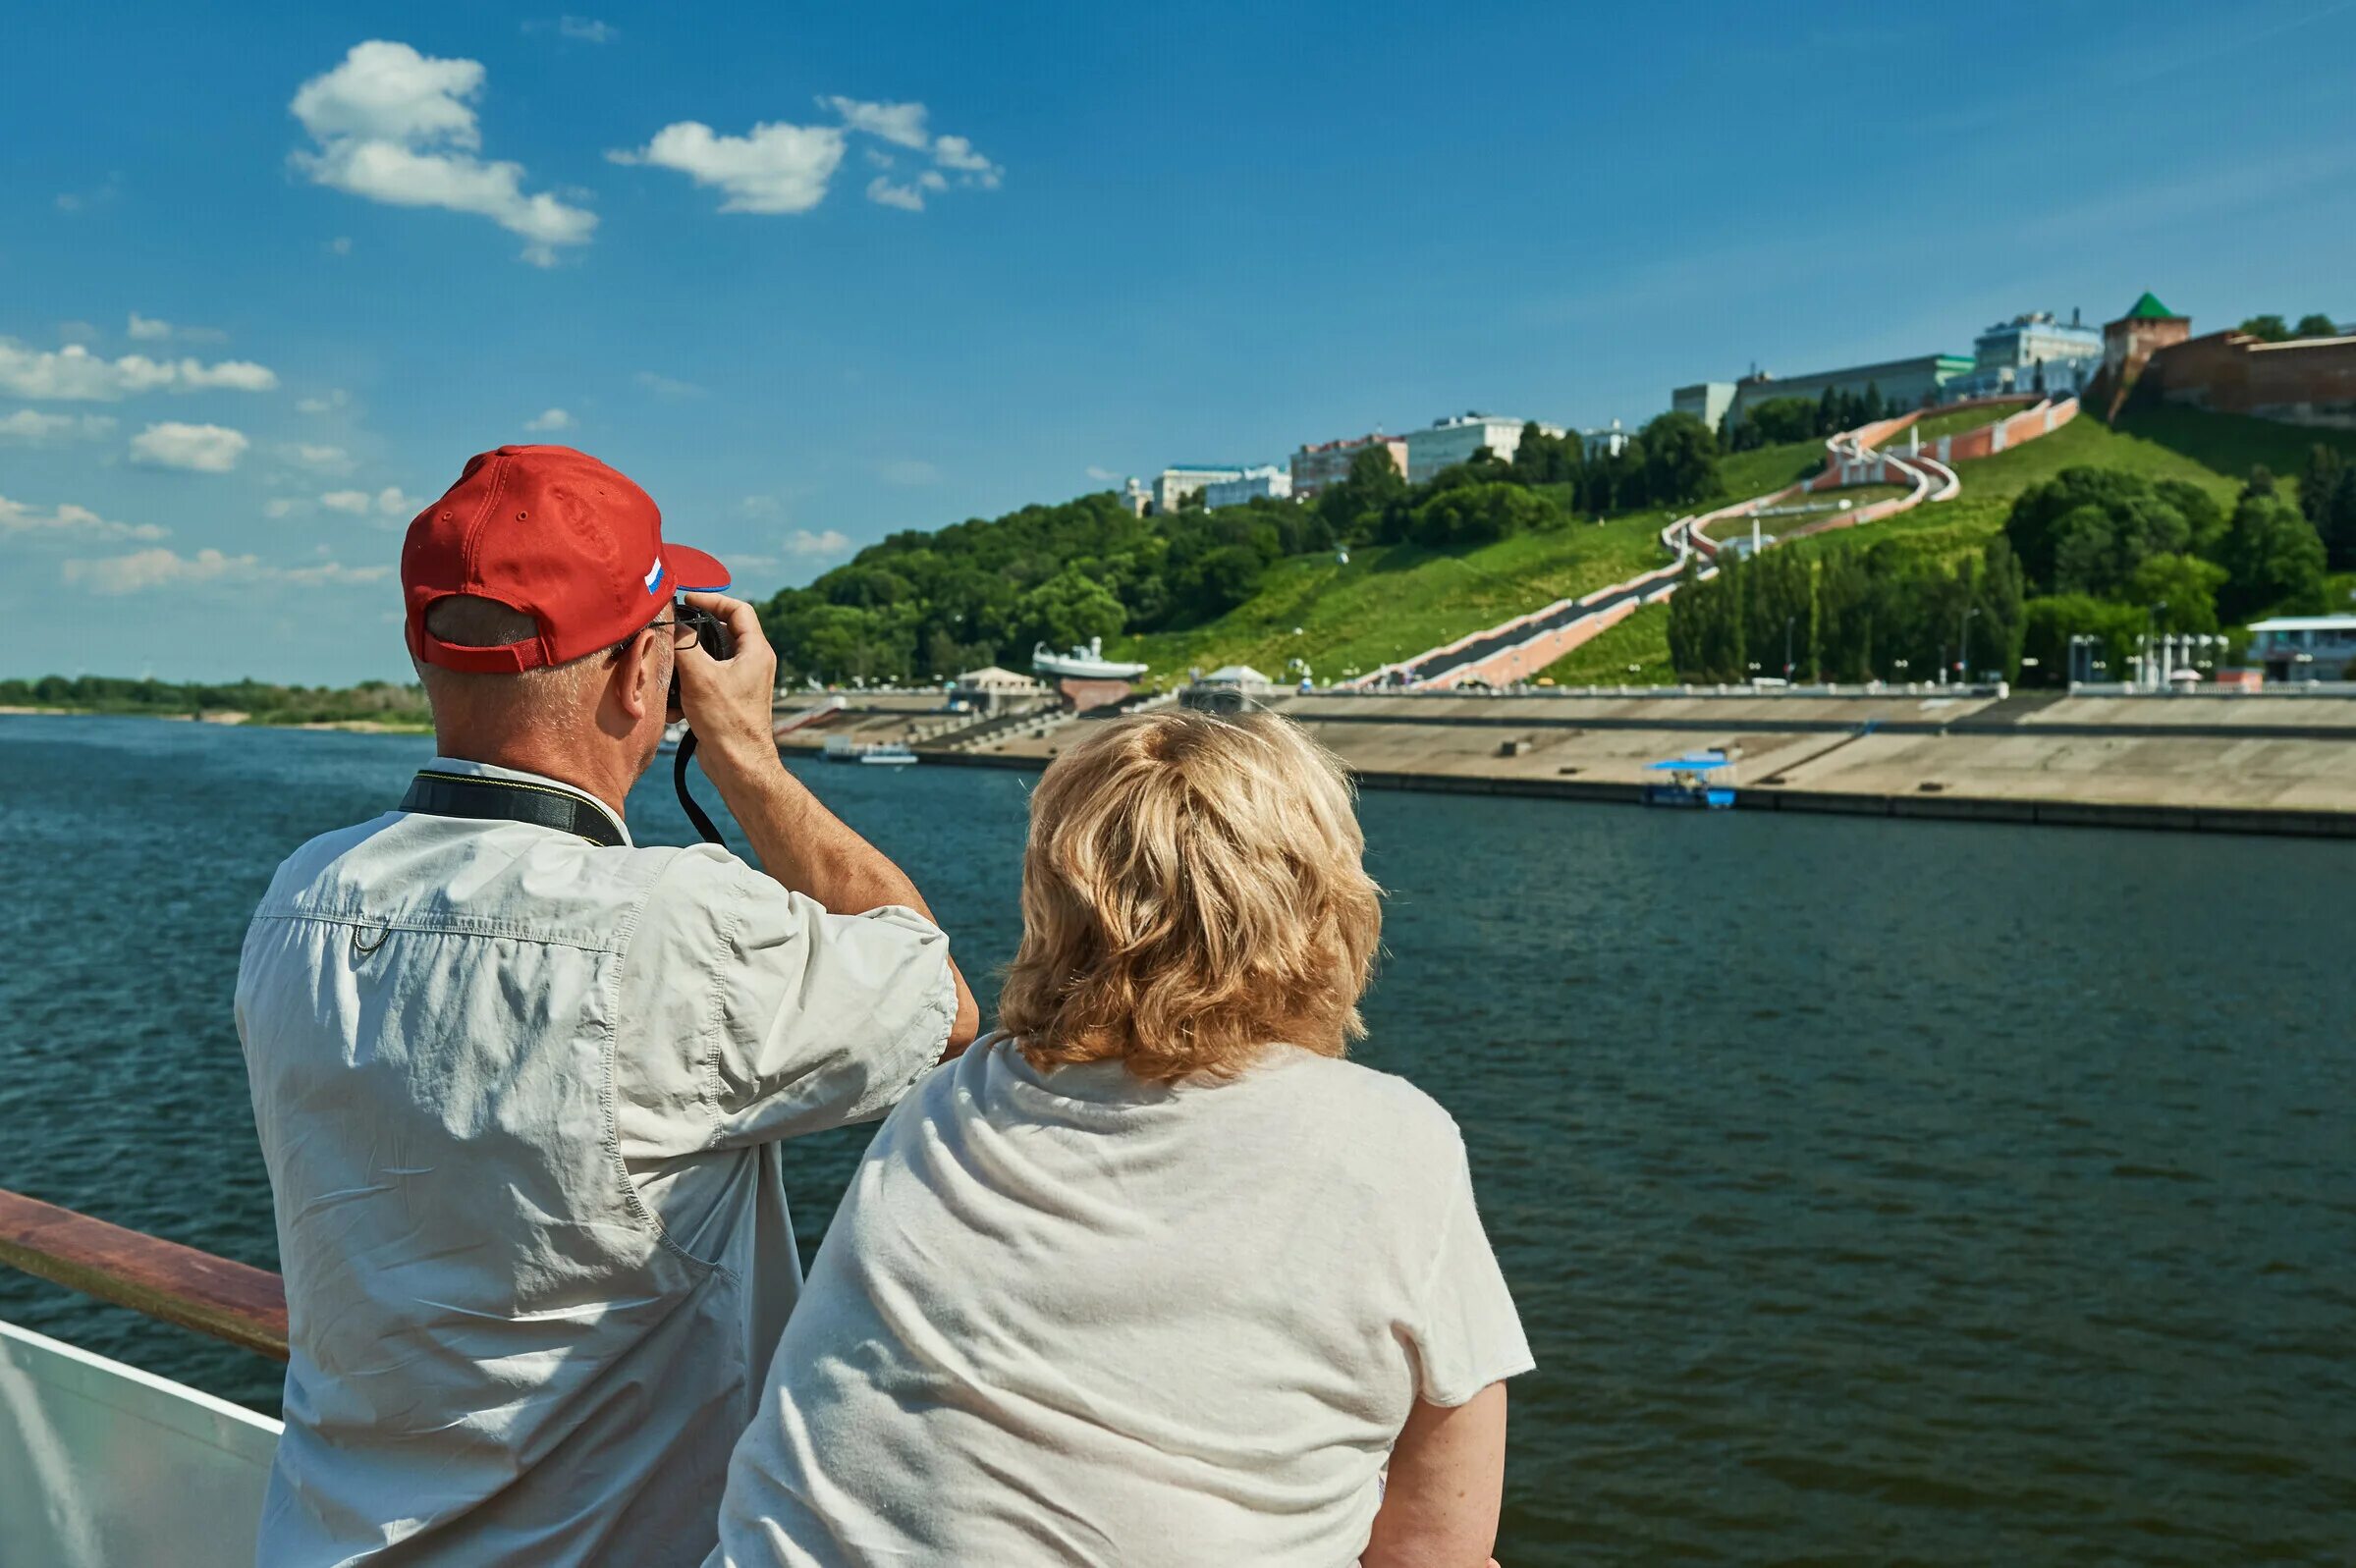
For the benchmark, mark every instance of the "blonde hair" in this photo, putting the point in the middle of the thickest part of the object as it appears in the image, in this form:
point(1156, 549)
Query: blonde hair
point(1193, 890)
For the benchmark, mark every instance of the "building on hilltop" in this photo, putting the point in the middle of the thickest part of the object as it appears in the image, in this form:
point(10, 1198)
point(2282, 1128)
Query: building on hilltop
point(1610, 443)
point(1709, 402)
point(2305, 647)
point(2307, 381)
point(1915, 383)
point(1447, 442)
point(1327, 463)
point(1267, 482)
point(2032, 352)
point(1135, 497)
point(2128, 344)
point(1174, 485)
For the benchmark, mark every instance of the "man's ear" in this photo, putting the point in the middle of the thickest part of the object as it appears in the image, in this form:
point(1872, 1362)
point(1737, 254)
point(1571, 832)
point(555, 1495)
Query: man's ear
point(638, 684)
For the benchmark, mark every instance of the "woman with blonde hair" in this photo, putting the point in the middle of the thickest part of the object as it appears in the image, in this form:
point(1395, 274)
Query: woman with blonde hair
point(1153, 1277)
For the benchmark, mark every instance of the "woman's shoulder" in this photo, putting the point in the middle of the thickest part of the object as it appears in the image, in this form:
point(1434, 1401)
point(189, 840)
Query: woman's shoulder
point(1371, 1103)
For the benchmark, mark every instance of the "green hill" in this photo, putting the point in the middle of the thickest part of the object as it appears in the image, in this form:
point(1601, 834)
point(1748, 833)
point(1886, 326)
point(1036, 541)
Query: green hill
point(1391, 601)
point(2212, 450)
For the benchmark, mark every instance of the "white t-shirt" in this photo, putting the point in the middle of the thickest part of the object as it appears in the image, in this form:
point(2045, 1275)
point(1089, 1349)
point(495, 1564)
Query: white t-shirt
point(1071, 1317)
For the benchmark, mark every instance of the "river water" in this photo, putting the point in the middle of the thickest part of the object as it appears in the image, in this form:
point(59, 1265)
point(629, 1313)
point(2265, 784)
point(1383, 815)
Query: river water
point(1873, 1192)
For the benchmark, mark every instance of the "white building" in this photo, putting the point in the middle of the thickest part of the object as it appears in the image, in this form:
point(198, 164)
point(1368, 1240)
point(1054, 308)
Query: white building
point(1445, 443)
point(1615, 440)
point(1172, 486)
point(2032, 352)
point(1709, 402)
point(1267, 482)
point(2305, 647)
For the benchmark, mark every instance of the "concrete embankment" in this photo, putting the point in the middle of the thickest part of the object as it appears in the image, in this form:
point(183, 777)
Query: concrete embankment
point(2215, 763)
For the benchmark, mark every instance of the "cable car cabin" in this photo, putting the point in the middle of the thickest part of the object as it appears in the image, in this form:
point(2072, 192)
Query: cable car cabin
point(1699, 779)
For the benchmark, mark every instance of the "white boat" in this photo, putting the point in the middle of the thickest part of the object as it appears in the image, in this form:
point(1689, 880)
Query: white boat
point(670, 736)
point(883, 753)
point(1081, 663)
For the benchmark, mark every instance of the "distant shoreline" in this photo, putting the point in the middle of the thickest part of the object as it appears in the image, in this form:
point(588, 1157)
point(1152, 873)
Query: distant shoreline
point(227, 717)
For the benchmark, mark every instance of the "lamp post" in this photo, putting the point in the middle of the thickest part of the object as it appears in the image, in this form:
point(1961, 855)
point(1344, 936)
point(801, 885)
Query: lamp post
point(1971, 613)
point(1788, 625)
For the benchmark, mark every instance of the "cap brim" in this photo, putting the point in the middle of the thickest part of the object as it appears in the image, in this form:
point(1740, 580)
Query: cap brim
point(690, 571)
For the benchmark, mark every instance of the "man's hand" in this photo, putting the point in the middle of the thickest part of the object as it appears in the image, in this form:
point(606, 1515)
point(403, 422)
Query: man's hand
point(727, 701)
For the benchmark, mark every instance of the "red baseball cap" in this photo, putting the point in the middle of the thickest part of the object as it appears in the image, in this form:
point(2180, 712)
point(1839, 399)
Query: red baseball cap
point(556, 535)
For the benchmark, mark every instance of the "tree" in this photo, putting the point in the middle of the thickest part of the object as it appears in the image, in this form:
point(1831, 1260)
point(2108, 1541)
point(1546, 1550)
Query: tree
point(2186, 585)
point(2340, 530)
point(2048, 624)
point(2317, 482)
point(1780, 420)
point(1680, 460)
point(1471, 515)
point(1354, 506)
point(2273, 559)
point(2315, 325)
point(1069, 608)
point(2260, 483)
point(2270, 329)
point(2001, 594)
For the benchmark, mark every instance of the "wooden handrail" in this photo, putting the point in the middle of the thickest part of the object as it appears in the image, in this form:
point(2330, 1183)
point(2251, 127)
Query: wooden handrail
point(231, 1301)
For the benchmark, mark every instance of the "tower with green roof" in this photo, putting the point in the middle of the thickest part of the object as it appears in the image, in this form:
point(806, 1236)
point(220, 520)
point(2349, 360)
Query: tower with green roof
point(2128, 344)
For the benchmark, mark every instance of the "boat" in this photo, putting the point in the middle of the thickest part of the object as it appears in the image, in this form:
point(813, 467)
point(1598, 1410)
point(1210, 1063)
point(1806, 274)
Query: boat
point(1082, 664)
point(1698, 781)
point(670, 736)
point(880, 753)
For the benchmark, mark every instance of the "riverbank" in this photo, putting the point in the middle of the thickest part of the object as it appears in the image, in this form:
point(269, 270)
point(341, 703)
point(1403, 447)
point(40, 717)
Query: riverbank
point(228, 716)
point(2222, 763)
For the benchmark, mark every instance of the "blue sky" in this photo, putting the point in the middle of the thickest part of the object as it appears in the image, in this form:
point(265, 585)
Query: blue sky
point(985, 257)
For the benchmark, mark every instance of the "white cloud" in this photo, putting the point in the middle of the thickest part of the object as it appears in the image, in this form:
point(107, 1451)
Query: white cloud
point(339, 246)
point(587, 29)
point(283, 506)
point(900, 124)
point(17, 517)
point(956, 152)
point(761, 507)
point(398, 127)
point(324, 459)
point(774, 168)
point(833, 542)
point(75, 374)
point(323, 405)
point(161, 568)
point(908, 472)
point(903, 126)
point(34, 428)
point(385, 502)
point(199, 449)
point(146, 329)
point(1101, 475)
point(667, 388)
point(883, 192)
point(552, 420)
point(77, 332)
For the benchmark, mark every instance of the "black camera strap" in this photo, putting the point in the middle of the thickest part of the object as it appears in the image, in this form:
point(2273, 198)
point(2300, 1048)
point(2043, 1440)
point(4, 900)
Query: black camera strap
point(459, 794)
point(686, 799)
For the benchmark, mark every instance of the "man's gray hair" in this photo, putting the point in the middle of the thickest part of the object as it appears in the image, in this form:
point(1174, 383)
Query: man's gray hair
point(550, 693)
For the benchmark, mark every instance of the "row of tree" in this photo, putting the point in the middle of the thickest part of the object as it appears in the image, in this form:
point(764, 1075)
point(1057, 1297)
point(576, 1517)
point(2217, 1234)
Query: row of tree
point(2315, 324)
point(1854, 613)
point(924, 606)
point(262, 699)
point(1780, 419)
point(2095, 552)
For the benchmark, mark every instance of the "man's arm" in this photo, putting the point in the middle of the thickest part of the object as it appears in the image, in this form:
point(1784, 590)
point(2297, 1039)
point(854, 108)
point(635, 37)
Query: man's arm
point(1448, 1477)
point(797, 840)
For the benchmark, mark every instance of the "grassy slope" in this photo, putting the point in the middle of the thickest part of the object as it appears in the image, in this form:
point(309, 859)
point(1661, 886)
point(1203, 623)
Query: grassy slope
point(1394, 600)
point(2212, 451)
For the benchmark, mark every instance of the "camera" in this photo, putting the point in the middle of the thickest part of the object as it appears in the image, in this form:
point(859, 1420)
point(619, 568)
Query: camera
point(710, 630)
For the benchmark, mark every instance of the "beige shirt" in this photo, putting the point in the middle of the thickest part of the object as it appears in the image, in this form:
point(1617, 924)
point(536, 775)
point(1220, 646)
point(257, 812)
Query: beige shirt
point(1069, 1318)
point(520, 1096)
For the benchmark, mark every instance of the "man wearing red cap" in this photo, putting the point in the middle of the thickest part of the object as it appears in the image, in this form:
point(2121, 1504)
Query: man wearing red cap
point(520, 1082)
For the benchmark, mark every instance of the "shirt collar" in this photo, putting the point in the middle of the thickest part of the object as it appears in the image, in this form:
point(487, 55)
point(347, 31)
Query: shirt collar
point(488, 769)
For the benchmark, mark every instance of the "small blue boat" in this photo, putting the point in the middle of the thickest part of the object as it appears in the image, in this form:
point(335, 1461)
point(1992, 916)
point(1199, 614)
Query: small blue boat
point(1702, 780)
